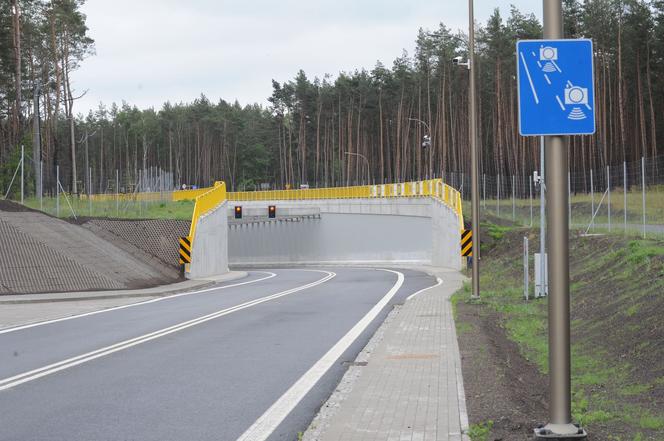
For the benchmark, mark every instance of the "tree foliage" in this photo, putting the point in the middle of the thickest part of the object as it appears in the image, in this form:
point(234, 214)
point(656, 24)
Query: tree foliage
point(362, 126)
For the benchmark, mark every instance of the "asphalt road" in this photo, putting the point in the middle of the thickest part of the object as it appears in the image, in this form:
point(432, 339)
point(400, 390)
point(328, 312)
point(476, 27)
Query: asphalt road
point(250, 359)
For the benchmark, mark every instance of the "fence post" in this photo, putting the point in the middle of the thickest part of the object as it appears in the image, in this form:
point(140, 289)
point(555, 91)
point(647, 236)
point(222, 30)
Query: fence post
point(22, 171)
point(513, 202)
point(498, 193)
point(484, 190)
point(117, 193)
point(525, 267)
point(592, 199)
point(41, 185)
point(643, 193)
point(57, 191)
point(90, 190)
point(625, 192)
point(608, 189)
point(530, 190)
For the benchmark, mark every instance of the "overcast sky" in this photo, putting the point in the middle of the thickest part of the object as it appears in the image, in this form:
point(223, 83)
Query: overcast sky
point(153, 51)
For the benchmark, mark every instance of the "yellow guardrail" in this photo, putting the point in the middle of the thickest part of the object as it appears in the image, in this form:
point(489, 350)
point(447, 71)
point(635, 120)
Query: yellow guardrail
point(205, 202)
point(186, 195)
point(429, 188)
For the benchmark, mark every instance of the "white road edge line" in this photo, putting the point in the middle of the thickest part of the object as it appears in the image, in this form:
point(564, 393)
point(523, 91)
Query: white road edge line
point(16, 380)
point(439, 282)
point(270, 420)
point(131, 305)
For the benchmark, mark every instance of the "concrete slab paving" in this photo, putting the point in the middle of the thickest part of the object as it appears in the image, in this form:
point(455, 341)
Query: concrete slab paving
point(406, 384)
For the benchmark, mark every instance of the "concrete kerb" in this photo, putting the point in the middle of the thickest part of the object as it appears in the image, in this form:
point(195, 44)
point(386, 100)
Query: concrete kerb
point(339, 418)
point(158, 291)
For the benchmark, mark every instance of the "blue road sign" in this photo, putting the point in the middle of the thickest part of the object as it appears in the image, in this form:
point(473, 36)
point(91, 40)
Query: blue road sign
point(556, 87)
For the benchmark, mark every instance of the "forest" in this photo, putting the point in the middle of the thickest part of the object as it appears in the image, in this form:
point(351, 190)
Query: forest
point(362, 126)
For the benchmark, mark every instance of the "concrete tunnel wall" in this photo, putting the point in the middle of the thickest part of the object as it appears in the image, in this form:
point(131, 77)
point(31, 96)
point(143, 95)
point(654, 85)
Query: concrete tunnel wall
point(209, 253)
point(350, 231)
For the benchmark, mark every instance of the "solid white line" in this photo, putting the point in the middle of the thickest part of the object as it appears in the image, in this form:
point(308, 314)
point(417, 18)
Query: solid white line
point(270, 420)
point(439, 282)
point(532, 86)
point(80, 359)
point(131, 305)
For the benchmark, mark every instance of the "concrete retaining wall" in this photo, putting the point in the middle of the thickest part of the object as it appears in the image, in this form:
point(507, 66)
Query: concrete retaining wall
point(333, 238)
point(209, 255)
point(351, 231)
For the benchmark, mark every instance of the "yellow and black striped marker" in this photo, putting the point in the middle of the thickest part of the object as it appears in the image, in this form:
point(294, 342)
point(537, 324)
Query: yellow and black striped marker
point(185, 250)
point(467, 243)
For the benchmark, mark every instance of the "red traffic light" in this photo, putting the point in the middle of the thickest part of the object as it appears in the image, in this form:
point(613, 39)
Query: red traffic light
point(238, 212)
point(272, 211)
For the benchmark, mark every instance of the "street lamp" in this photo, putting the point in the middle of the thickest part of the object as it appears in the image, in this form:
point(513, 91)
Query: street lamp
point(472, 135)
point(426, 139)
point(365, 160)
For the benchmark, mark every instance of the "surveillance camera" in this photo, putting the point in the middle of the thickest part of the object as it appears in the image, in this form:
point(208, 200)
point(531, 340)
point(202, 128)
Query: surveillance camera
point(456, 60)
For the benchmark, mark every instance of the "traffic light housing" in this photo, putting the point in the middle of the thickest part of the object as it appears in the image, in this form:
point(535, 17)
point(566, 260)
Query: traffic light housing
point(238, 212)
point(272, 211)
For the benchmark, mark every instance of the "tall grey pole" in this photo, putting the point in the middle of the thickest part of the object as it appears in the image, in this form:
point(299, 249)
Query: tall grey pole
point(36, 143)
point(560, 413)
point(22, 171)
point(544, 276)
point(474, 170)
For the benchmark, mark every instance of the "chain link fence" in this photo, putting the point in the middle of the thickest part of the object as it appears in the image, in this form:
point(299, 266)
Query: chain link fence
point(623, 198)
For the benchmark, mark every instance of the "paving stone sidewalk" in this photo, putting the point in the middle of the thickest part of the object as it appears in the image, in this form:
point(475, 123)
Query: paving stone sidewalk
point(411, 387)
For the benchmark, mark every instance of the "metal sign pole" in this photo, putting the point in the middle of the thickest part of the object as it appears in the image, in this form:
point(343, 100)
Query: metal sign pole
point(474, 170)
point(560, 414)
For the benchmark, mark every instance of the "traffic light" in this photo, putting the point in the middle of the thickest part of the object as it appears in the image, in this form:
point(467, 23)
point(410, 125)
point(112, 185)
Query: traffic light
point(272, 211)
point(238, 212)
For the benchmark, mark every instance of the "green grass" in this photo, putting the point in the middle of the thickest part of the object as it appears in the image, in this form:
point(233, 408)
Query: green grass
point(165, 209)
point(480, 432)
point(592, 374)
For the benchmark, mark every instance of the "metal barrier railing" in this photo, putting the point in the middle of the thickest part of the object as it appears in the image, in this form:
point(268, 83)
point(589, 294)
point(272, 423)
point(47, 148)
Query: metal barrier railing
point(428, 188)
point(205, 202)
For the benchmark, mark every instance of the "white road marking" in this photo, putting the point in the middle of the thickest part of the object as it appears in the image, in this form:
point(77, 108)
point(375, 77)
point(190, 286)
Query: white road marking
point(80, 359)
point(131, 305)
point(438, 279)
point(270, 420)
point(532, 86)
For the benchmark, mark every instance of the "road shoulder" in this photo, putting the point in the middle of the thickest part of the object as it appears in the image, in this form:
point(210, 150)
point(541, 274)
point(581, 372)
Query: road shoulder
point(23, 309)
